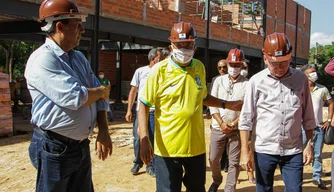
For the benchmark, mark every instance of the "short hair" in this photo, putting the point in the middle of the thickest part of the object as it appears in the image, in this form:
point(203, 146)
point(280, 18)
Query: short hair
point(153, 53)
point(164, 53)
point(308, 66)
point(52, 29)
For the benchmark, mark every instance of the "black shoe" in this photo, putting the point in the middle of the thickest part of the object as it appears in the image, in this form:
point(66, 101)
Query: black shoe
point(134, 170)
point(328, 174)
point(320, 184)
point(213, 187)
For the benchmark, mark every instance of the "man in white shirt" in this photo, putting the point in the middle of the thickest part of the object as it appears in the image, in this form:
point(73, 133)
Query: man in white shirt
point(276, 104)
point(137, 85)
point(320, 95)
point(224, 127)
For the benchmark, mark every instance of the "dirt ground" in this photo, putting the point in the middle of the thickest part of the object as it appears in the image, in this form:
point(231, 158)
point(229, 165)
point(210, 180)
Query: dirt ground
point(17, 174)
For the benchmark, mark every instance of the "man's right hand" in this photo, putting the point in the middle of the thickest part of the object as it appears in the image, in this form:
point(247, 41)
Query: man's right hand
point(225, 128)
point(128, 116)
point(105, 92)
point(146, 150)
point(245, 160)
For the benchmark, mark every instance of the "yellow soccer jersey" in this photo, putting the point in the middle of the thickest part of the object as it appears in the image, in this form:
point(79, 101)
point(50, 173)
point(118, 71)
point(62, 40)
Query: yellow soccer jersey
point(177, 94)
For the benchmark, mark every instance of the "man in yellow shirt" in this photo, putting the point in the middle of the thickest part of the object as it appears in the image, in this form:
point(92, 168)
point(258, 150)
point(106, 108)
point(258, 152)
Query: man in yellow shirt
point(177, 88)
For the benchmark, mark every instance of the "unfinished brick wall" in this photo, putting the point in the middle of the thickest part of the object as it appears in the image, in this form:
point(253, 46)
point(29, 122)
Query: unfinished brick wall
point(277, 20)
point(6, 119)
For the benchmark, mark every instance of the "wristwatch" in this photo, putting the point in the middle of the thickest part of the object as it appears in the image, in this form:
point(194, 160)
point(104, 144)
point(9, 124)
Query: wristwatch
point(329, 120)
point(311, 143)
point(223, 104)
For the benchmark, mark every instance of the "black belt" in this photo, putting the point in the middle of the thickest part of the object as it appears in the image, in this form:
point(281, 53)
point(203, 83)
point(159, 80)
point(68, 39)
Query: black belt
point(59, 137)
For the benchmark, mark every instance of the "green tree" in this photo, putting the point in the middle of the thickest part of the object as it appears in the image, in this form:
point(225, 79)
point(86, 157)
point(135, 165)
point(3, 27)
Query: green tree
point(14, 55)
point(323, 56)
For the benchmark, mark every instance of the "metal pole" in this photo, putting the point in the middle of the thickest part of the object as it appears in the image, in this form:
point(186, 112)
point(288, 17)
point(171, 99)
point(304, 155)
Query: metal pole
point(119, 72)
point(95, 41)
point(296, 39)
point(316, 53)
point(207, 41)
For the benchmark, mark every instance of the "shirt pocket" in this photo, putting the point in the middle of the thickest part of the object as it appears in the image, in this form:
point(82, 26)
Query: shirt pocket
point(295, 98)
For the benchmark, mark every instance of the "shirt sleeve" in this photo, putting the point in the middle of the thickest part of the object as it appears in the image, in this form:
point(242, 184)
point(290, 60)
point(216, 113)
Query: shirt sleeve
point(327, 96)
point(248, 110)
point(135, 79)
point(330, 67)
point(308, 113)
point(148, 94)
point(205, 88)
point(214, 92)
point(44, 74)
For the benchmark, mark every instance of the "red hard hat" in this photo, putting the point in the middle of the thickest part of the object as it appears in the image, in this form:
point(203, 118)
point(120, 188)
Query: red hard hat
point(182, 32)
point(277, 47)
point(235, 56)
point(57, 8)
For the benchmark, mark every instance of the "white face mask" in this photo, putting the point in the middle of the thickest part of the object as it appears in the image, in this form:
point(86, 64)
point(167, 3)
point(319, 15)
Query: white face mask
point(313, 76)
point(182, 55)
point(101, 76)
point(234, 71)
point(244, 72)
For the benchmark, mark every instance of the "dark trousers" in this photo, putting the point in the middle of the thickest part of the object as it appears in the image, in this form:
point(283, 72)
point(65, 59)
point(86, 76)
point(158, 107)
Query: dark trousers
point(136, 139)
point(60, 166)
point(291, 167)
point(169, 173)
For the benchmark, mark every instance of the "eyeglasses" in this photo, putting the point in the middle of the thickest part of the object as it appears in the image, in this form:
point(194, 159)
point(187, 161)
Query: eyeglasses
point(185, 45)
point(280, 64)
point(221, 67)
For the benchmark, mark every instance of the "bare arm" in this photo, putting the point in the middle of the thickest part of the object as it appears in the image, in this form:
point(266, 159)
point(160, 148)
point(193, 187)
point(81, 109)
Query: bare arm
point(330, 67)
point(330, 114)
point(146, 151)
point(103, 145)
point(215, 102)
point(96, 93)
point(131, 100)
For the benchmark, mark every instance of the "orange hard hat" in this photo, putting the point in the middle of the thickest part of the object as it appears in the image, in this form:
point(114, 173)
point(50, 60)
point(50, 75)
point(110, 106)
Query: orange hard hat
point(182, 32)
point(235, 56)
point(277, 47)
point(58, 7)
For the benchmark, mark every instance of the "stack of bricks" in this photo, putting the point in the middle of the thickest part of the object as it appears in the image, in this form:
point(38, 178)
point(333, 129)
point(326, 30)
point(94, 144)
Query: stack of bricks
point(6, 119)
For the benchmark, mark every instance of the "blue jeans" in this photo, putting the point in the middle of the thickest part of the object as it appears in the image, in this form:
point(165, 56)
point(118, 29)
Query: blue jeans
point(318, 139)
point(291, 167)
point(136, 139)
point(60, 167)
point(169, 173)
point(109, 113)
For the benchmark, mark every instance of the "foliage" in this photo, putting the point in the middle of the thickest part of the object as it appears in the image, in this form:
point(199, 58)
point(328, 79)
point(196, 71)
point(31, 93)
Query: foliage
point(21, 53)
point(325, 54)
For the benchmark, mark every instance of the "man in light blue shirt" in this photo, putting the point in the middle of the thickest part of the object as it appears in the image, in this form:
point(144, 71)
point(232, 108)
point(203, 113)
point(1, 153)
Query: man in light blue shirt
point(67, 102)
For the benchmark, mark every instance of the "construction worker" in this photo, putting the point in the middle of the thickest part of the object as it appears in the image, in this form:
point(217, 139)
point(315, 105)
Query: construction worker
point(68, 100)
point(276, 104)
point(177, 88)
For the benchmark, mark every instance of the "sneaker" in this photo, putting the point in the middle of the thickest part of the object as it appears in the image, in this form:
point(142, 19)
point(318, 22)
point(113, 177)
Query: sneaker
point(135, 169)
point(213, 187)
point(320, 184)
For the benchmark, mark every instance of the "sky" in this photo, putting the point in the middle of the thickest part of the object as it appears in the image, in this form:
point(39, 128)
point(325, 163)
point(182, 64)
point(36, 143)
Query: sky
point(322, 21)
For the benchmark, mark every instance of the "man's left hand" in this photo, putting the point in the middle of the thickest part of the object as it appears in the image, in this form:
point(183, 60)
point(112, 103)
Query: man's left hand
point(308, 155)
point(325, 126)
point(103, 145)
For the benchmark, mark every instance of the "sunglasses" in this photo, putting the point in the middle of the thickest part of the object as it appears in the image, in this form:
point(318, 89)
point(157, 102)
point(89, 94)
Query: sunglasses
point(222, 67)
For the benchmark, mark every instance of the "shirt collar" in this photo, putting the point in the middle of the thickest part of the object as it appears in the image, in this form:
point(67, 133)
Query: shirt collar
point(172, 65)
point(288, 74)
point(55, 47)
